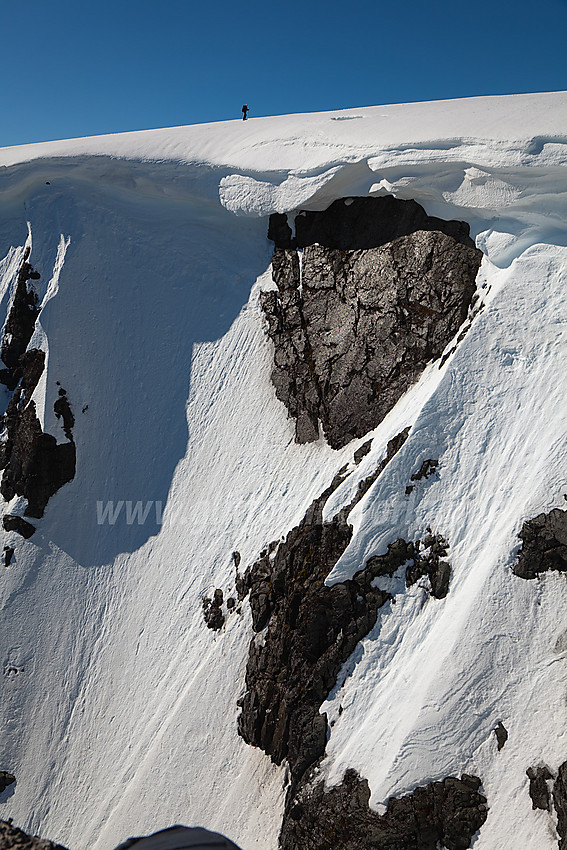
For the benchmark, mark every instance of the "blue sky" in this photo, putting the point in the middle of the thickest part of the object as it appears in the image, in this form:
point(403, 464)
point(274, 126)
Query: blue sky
point(72, 69)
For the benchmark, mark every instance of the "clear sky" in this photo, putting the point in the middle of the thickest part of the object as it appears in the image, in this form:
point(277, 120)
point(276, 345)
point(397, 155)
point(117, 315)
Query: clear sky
point(73, 69)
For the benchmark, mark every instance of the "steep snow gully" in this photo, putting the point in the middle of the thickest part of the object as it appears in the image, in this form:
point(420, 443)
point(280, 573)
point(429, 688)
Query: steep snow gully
point(295, 571)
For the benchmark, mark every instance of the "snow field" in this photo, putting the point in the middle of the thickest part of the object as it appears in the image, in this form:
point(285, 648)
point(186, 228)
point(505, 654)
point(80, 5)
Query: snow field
point(152, 256)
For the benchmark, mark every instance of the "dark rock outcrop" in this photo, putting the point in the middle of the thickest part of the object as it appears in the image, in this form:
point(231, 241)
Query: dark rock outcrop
point(501, 735)
point(19, 525)
point(310, 628)
point(35, 465)
point(560, 804)
point(12, 838)
point(362, 451)
point(19, 325)
point(212, 610)
point(353, 329)
point(427, 554)
point(6, 779)
point(541, 795)
point(544, 545)
point(539, 790)
point(442, 814)
point(426, 470)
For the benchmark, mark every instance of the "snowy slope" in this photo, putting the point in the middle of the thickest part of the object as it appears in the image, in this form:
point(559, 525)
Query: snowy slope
point(152, 249)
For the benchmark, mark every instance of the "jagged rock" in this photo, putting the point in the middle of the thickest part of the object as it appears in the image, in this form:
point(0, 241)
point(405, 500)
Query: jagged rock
point(353, 329)
point(241, 588)
point(539, 791)
point(440, 575)
point(311, 628)
point(501, 735)
point(6, 779)
point(427, 468)
point(35, 465)
point(20, 324)
point(19, 525)
point(426, 562)
point(442, 814)
point(544, 545)
point(279, 230)
point(362, 451)
point(541, 797)
point(31, 365)
point(212, 610)
point(560, 803)
point(12, 838)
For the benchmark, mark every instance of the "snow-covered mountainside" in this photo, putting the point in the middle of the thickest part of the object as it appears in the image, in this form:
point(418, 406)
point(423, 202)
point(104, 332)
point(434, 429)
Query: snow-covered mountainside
point(167, 390)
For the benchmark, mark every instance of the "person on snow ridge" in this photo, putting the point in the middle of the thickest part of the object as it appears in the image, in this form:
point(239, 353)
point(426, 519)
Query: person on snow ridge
point(244, 111)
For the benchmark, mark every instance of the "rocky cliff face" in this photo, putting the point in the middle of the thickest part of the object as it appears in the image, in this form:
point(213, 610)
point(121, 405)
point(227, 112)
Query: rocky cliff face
point(20, 324)
point(442, 814)
point(308, 631)
point(560, 804)
point(380, 291)
point(311, 630)
point(548, 791)
point(544, 545)
point(35, 465)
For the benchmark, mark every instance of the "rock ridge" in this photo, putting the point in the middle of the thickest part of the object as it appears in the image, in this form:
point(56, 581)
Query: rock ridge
point(35, 465)
point(442, 814)
point(311, 628)
point(544, 545)
point(308, 629)
point(20, 324)
point(548, 791)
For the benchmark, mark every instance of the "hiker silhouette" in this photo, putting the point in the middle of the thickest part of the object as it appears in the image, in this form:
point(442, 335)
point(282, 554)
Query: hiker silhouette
point(244, 111)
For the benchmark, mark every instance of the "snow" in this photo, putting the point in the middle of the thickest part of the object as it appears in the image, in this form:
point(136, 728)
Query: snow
point(152, 249)
point(483, 654)
point(304, 141)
